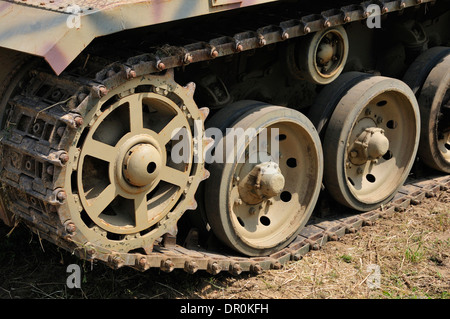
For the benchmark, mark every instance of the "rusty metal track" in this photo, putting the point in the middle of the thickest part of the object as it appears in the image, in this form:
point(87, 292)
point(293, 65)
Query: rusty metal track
point(280, 29)
point(317, 233)
point(45, 114)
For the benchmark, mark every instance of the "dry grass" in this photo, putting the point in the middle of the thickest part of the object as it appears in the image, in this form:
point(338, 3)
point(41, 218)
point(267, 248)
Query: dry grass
point(411, 248)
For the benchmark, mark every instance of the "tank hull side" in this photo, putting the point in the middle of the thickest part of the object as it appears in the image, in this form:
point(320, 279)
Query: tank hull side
point(59, 32)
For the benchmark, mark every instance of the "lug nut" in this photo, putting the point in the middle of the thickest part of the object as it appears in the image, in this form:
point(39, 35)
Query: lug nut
point(276, 265)
point(214, 53)
point(78, 121)
point(90, 250)
point(262, 42)
point(103, 91)
point(256, 269)
point(215, 268)
point(131, 74)
point(142, 262)
point(70, 227)
point(188, 59)
point(167, 265)
point(64, 158)
point(235, 269)
point(61, 196)
point(190, 267)
point(160, 66)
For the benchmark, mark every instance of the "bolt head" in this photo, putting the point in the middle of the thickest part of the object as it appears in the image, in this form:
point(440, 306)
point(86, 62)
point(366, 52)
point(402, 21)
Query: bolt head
point(64, 158)
point(142, 262)
point(78, 121)
point(131, 74)
point(161, 66)
point(188, 59)
point(61, 196)
point(71, 228)
point(103, 91)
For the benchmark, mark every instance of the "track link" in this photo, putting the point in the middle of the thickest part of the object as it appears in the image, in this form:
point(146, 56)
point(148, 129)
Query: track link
point(46, 111)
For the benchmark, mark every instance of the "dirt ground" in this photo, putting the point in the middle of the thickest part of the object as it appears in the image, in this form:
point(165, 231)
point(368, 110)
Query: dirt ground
point(404, 255)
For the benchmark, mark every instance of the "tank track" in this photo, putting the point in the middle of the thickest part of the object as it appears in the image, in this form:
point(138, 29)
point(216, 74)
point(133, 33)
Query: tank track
point(46, 111)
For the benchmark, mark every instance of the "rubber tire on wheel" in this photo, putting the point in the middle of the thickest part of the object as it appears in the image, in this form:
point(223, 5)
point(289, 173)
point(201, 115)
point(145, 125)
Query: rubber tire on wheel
point(219, 187)
point(350, 110)
point(430, 79)
point(324, 105)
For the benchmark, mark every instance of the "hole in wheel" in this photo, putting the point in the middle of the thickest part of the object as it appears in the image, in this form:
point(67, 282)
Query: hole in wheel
point(370, 178)
point(291, 162)
point(281, 137)
point(351, 181)
point(388, 155)
point(285, 196)
point(391, 124)
point(241, 222)
point(264, 220)
point(447, 146)
point(382, 103)
point(151, 167)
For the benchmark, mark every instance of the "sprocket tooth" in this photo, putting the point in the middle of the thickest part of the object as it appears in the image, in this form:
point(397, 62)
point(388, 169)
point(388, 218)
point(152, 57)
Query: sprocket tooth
point(206, 174)
point(204, 112)
point(192, 205)
point(190, 87)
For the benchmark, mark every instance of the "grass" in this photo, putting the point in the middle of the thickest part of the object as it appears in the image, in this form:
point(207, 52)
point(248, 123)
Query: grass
point(346, 258)
point(411, 248)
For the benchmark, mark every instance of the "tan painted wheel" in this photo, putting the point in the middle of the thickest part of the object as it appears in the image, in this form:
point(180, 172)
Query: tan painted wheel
point(371, 142)
point(127, 186)
point(258, 202)
point(434, 103)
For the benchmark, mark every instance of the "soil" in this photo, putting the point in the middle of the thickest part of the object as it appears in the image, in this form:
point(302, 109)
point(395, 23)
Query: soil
point(404, 255)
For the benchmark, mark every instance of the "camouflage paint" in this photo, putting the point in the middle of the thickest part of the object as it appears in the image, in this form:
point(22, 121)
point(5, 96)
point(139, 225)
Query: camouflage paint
point(40, 27)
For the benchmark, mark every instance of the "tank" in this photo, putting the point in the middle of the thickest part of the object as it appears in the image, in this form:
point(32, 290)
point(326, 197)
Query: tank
point(208, 134)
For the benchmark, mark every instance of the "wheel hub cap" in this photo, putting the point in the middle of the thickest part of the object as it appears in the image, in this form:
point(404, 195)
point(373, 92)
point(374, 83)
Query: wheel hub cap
point(370, 145)
point(264, 181)
point(142, 165)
